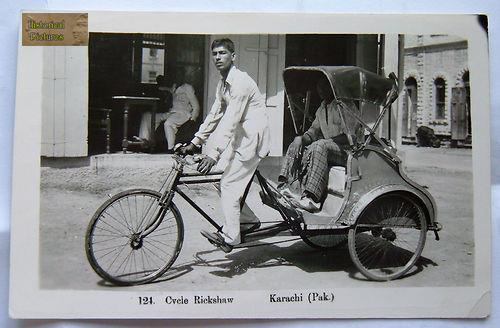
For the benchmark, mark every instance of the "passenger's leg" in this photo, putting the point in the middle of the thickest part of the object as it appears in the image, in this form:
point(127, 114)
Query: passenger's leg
point(316, 161)
point(290, 168)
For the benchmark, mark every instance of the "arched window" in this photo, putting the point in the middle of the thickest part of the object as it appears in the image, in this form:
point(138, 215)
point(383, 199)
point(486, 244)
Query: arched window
point(439, 97)
point(465, 79)
point(411, 87)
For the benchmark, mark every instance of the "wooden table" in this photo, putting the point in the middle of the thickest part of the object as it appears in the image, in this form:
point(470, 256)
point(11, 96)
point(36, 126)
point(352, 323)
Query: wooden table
point(142, 104)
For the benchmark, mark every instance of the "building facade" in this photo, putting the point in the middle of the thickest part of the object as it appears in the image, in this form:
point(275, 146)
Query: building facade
point(436, 87)
point(127, 63)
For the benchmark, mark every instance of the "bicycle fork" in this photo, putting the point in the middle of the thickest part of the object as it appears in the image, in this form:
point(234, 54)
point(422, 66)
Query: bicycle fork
point(164, 203)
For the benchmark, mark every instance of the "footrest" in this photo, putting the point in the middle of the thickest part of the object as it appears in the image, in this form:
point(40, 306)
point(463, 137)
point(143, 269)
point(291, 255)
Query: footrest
point(266, 232)
point(311, 219)
point(266, 200)
point(280, 205)
point(325, 227)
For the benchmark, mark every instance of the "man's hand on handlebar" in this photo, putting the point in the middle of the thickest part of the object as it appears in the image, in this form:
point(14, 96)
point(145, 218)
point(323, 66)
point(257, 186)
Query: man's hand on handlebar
point(206, 164)
point(186, 149)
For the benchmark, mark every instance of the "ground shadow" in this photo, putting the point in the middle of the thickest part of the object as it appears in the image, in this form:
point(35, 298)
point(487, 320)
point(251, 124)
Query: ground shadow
point(419, 266)
point(298, 255)
point(171, 273)
point(265, 255)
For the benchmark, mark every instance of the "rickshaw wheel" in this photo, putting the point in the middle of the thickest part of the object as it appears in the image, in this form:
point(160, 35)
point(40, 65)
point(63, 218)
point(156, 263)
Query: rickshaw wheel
point(325, 242)
point(118, 252)
point(388, 237)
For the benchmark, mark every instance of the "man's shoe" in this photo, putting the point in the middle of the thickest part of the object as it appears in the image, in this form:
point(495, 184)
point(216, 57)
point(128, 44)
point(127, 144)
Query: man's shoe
point(246, 228)
point(216, 239)
point(307, 204)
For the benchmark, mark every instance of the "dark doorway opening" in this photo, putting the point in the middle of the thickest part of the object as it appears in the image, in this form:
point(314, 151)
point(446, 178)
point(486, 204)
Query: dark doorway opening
point(465, 79)
point(410, 100)
point(128, 64)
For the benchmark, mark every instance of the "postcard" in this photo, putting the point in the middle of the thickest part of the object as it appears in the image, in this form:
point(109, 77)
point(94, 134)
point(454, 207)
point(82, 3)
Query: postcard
point(244, 165)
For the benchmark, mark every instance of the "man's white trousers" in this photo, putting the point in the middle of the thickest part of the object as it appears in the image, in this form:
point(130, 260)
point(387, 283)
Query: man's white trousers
point(233, 183)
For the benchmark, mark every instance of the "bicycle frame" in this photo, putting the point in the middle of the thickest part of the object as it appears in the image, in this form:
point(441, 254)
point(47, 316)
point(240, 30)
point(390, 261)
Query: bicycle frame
point(191, 178)
point(189, 200)
point(186, 179)
point(292, 219)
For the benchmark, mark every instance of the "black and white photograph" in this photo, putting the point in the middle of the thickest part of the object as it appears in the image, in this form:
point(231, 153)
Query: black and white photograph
point(197, 171)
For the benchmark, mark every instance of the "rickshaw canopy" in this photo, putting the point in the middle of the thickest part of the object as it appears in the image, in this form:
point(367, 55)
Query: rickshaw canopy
point(349, 83)
point(358, 91)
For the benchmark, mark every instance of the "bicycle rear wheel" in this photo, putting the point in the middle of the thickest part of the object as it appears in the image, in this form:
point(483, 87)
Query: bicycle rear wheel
point(114, 244)
point(389, 237)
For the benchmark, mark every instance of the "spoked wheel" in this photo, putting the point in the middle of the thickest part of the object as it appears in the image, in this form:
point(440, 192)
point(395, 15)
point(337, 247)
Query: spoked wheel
point(324, 242)
point(116, 247)
point(389, 237)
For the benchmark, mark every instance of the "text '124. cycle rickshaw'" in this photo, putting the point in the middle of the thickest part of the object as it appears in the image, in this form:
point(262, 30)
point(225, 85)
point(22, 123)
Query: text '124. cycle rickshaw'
point(371, 205)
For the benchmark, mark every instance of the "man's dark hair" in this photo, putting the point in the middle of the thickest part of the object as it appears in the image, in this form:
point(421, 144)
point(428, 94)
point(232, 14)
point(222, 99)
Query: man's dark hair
point(226, 43)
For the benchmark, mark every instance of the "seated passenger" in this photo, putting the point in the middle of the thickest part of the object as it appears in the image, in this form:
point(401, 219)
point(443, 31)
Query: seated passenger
point(185, 107)
point(310, 156)
point(163, 88)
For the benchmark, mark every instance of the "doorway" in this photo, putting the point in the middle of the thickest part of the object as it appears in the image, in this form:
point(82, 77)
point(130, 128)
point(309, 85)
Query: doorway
point(410, 100)
point(128, 64)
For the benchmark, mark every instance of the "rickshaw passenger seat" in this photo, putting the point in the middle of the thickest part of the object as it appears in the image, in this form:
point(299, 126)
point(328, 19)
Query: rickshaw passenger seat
point(336, 180)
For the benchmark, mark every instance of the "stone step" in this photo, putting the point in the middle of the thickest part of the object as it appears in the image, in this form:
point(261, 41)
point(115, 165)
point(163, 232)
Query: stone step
point(133, 160)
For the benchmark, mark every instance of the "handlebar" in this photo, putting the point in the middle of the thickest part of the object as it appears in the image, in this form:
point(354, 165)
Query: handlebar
point(394, 93)
point(181, 160)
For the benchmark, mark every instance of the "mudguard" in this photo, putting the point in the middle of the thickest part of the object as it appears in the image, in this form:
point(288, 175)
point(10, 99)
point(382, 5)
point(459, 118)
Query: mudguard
point(370, 196)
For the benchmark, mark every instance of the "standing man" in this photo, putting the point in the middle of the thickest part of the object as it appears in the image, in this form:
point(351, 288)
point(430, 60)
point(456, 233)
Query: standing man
point(239, 122)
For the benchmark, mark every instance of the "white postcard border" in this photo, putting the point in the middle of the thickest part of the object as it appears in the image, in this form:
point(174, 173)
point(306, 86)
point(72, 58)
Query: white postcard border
point(28, 301)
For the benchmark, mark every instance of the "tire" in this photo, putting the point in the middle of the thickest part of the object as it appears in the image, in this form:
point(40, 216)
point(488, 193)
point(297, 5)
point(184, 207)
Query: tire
point(325, 242)
point(389, 237)
point(114, 253)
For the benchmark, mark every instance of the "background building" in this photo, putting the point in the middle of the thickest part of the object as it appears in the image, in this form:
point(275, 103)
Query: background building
point(437, 92)
point(124, 64)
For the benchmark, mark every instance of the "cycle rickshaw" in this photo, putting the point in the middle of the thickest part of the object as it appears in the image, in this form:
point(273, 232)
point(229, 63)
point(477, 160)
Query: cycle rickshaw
point(372, 205)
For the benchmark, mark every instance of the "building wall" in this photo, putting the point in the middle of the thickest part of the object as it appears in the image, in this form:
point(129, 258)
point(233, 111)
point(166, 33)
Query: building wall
point(429, 39)
point(64, 102)
point(65, 89)
point(426, 59)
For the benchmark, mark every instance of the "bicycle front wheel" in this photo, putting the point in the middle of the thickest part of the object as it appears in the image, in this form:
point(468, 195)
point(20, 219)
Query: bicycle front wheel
point(116, 247)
